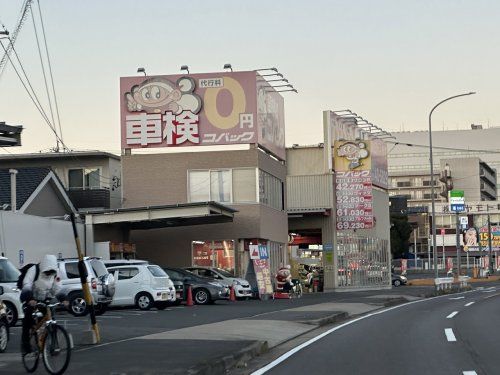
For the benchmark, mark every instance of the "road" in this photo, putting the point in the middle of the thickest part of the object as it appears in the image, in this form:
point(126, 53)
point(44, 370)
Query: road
point(455, 334)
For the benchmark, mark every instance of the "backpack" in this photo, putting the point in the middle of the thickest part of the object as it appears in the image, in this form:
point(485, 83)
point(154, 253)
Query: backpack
point(23, 271)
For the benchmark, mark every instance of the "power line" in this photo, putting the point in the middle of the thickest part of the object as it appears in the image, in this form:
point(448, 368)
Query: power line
point(443, 148)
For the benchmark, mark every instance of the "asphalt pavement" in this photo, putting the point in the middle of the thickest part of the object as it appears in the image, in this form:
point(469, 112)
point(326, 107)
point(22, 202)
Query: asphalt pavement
point(453, 334)
point(180, 339)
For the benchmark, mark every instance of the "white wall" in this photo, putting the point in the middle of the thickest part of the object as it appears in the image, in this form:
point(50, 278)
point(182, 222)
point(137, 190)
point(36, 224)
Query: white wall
point(37, 236)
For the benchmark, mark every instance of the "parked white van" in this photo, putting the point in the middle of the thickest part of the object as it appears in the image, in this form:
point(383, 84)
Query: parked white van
point(142, 285)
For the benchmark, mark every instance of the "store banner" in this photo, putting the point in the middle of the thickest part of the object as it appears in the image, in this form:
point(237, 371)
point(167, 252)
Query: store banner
point(450, 264)
point(205, 109)
point(263, 276)
point(354, 200)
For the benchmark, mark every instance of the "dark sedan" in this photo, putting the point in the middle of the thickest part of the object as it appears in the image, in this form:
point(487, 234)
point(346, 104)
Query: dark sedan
point(204, 290)
point(398, 280)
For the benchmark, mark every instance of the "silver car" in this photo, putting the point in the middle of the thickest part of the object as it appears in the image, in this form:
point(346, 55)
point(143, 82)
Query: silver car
point(101, 282)
point(11, 296)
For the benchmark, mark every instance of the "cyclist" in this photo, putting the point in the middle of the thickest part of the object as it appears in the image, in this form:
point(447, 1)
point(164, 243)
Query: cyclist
point(40, 283)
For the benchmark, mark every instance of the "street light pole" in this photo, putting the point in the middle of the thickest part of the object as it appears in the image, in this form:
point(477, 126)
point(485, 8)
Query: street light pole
point(433, 201)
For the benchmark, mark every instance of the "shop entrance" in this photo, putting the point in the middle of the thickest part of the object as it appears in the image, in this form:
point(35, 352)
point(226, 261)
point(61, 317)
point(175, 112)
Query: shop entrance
point(306, 258)
point(219, 254)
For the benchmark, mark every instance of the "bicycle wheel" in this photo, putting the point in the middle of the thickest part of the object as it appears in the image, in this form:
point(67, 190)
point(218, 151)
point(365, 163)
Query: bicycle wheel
point(30, 360)
point(56, 350)
point(4, 335)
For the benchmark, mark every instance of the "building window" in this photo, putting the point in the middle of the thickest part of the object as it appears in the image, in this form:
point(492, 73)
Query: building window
point(199, 186)
point(270, 190)
point(244, 185)
point(220, 186)
point(404, 183)
point(223, 185)
point(84, 178)
point(218, 254)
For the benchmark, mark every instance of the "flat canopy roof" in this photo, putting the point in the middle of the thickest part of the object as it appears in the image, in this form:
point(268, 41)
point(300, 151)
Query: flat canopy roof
point(162, 216)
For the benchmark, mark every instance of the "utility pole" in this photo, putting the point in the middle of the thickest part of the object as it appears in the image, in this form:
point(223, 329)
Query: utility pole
point(489, 242)
point(459, 254)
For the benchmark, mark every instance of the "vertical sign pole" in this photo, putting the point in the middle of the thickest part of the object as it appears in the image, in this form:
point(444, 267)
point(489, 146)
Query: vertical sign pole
point(85, 285)
point(458, 243)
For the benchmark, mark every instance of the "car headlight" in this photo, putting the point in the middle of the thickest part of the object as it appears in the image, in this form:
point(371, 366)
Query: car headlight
point(215, 283)
point(404, 278)
point(236, 282)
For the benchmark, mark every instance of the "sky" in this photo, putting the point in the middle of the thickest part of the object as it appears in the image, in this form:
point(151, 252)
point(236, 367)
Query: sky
point(389, 61)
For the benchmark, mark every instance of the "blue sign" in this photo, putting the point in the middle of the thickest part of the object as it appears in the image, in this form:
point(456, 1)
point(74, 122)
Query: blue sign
point(328, 246)
point(263, 253)
point(457, 207)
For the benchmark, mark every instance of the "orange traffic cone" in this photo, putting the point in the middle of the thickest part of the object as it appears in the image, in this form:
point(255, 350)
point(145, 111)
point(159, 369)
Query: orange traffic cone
point(232, 296)
point(189, 299)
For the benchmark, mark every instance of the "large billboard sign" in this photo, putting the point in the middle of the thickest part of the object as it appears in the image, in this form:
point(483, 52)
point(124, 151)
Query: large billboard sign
point(354, 200)
point(200, 110)
point(344, 136)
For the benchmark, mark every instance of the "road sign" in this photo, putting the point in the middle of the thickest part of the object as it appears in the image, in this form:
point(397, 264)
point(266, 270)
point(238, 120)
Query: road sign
point(464, 220)
point(456, 200)
point(254, 252)
point(263, 253)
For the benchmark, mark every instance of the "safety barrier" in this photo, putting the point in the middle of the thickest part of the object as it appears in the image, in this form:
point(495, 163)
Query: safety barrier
point(464, 281)
point(443, 283)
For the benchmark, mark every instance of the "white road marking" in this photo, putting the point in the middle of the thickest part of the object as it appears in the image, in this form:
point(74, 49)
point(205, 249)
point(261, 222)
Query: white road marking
point(489, 291)
point(469, 373)
point(452, 315)
point(110, 316)
point(449, 334)
point(291, 352)
point(457, 297)
point(468, 304)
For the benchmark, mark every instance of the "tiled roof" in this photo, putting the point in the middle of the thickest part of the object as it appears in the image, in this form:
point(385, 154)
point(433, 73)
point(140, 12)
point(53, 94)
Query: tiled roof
point(28, 179)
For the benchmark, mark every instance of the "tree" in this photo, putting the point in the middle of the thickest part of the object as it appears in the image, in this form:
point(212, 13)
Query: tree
point(400, 234)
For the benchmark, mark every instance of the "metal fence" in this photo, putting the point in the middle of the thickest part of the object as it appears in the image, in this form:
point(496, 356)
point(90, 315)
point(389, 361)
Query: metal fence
point(362, 261)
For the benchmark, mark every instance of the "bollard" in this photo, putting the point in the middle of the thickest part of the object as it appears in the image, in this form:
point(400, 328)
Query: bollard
point(232, 296)
point(189, 299)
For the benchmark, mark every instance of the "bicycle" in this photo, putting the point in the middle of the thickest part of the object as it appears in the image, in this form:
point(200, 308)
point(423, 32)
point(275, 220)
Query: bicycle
point(49, 339)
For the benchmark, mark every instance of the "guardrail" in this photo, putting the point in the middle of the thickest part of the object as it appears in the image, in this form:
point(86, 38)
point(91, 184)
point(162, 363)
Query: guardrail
point(443, 283)
point(464, 281)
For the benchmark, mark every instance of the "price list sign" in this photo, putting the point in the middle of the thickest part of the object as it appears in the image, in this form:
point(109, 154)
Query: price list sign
point(354, 200)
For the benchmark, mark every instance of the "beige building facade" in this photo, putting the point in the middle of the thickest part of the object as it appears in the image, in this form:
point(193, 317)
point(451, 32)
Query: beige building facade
point(248, 181)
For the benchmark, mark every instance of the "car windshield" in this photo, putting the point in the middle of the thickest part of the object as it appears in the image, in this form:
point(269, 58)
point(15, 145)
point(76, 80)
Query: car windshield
point(8, 272)
point(224, 272)
point(98, 267)
point(157, 271)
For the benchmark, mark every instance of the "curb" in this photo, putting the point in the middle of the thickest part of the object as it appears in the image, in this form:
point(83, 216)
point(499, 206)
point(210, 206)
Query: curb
point(223, 364)
point(330, 319)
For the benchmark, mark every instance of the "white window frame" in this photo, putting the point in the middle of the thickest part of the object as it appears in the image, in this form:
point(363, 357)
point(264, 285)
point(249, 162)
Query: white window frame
point(210, 183)
point(82, 169)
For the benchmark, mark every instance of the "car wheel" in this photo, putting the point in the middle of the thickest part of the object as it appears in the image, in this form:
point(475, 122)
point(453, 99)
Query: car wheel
point(100, 308)
point(396, 282)
point(11, 313)
point(77, 304)
point(201, 297)
point(144, 301)
point(4, 335)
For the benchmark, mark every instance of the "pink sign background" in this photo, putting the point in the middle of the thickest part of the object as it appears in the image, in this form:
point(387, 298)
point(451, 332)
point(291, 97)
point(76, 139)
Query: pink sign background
point(213, 109)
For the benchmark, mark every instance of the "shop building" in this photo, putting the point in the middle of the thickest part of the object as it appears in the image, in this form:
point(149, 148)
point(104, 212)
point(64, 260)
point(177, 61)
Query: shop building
point(240, 114)
point(338, 205)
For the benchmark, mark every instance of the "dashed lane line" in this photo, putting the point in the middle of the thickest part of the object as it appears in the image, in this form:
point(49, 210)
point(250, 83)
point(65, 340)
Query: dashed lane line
point(452, 315)
point(469, 373)
point(468, 304)
point(450, 336)
point(454, 298)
